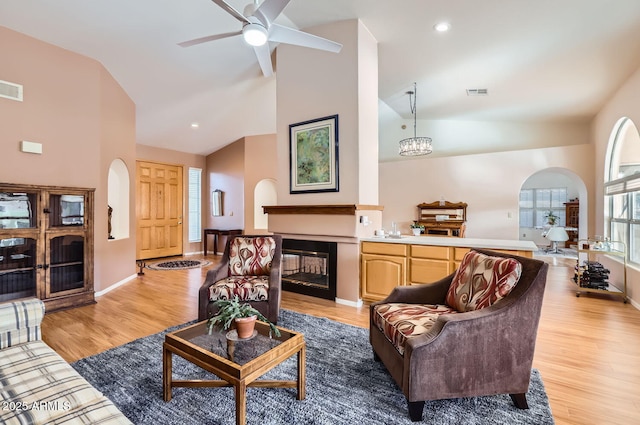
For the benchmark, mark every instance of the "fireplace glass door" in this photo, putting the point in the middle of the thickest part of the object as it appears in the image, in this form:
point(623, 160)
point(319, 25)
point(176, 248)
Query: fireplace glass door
point(309, 267)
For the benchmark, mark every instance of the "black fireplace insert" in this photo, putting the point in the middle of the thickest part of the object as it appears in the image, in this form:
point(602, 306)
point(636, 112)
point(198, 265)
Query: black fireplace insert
point(309, 267)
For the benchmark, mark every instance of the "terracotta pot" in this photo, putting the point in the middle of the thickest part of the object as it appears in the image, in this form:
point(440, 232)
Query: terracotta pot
point(245, 326)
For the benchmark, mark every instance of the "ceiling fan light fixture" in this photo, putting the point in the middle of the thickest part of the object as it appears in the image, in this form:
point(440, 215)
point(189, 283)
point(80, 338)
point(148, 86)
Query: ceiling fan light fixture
point(255, 34)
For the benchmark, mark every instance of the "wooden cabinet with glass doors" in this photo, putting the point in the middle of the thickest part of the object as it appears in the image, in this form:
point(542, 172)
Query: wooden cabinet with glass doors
point(46, 244)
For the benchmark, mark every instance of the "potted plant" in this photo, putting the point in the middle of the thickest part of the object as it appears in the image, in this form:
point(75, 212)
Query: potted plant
point(416, 228)
point(552, 219)
point(234, 312)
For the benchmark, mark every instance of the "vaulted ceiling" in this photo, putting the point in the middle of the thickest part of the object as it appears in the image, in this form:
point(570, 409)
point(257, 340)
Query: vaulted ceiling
point(543, 62)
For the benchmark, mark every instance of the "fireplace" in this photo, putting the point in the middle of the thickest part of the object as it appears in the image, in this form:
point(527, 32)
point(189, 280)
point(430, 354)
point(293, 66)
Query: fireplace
point(309, 267)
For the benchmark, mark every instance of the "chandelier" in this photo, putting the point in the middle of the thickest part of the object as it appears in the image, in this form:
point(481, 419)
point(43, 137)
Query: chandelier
point(414, 146)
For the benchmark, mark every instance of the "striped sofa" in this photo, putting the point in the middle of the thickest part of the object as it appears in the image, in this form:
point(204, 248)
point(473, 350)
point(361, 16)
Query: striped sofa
point(36, 385)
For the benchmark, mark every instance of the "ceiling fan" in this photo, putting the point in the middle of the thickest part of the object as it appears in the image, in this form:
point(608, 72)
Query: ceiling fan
point(258, 29)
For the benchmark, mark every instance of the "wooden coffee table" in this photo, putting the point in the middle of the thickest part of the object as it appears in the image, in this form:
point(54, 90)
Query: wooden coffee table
point(239, 363)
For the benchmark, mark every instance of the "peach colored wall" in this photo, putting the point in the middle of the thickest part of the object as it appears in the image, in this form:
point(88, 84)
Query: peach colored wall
point(118, 115)
point(624, 103)
point(186, 160)
point(260, 162)
point(489, 183)
point(368, 190)
point(307, 92)
point(225, 171)
point(83, 119)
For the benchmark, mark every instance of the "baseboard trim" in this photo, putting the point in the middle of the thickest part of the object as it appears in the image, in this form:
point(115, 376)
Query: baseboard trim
point(116, 285)
point(349, 303)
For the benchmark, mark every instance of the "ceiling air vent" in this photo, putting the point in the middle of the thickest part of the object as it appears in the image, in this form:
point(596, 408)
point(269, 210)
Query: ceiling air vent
point(11, 90)
point(477, 92)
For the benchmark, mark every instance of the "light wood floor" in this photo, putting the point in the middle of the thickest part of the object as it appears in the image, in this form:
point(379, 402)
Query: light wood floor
point(588, 349)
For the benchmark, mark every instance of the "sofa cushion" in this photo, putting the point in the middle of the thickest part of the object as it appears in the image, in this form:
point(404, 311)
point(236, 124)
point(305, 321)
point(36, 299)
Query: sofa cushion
point(20, 322)
point(39, 387)
point(481, 280)
point(399, 321)
point(247, 288)
point(251, 256)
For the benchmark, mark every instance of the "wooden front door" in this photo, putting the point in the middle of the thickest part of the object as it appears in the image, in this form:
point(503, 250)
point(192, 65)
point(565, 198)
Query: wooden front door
point(158, 210)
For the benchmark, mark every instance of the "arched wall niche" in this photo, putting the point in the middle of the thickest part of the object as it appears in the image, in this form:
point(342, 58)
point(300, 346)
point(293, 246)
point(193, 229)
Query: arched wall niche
point(118, 199)
point(265, 193)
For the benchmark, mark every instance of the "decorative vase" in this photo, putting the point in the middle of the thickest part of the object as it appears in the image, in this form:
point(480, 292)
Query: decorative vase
point(416, 231)
point(245, 326)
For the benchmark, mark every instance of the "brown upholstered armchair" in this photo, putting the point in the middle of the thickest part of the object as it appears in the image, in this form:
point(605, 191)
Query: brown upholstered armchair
point(251, 269)
point(470, 334)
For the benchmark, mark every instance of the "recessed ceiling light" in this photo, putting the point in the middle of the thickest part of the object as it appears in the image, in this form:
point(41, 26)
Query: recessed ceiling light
point(442, 27)
point(195, 125)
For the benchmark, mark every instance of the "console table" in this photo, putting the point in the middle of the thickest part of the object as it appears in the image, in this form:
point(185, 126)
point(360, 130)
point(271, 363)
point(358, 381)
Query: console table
point(215, 233)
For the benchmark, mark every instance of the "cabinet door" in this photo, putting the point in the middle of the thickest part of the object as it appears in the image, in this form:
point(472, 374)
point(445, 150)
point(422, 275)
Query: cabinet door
point(66, 209)
point(428, 270)
point(66, 264)
point(18, 272)
point(380, 274)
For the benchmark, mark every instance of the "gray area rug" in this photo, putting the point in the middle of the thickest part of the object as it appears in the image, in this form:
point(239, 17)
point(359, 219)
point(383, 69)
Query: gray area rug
point(344, 386)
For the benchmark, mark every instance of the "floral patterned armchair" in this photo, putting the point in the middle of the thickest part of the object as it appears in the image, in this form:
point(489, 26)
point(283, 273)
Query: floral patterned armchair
point(251, 269)
point(470, 334)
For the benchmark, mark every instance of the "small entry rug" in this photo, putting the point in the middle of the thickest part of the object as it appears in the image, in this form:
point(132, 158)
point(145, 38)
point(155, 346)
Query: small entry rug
point(345, 386)
point(178, 264)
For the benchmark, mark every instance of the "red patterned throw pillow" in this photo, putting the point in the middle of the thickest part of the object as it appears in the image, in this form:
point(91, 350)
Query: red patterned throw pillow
point(482, 280)
point(251, 256)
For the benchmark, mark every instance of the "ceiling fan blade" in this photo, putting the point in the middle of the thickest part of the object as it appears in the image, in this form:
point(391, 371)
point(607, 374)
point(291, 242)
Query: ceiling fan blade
point(231, 11)
point(263, 53)
point(287, 35)
point(270, 9)
point(208, 38)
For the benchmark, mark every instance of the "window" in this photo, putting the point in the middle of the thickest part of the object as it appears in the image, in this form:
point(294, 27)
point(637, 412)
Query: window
point(536, 205)
point(195, 204)
point(622, 188)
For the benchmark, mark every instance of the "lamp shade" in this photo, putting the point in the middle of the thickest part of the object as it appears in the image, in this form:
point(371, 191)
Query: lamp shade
point(558, 234)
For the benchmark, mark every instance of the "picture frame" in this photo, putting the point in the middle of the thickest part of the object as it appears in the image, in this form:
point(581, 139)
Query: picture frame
point(313, 155)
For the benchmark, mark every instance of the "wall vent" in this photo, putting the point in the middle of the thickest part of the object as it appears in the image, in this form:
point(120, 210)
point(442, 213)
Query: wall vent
point(477, 92)
point(11, 91)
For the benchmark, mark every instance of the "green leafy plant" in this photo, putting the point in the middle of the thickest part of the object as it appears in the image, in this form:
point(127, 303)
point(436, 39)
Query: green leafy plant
point(229, 310)
point(552, 219)
point(416, 225)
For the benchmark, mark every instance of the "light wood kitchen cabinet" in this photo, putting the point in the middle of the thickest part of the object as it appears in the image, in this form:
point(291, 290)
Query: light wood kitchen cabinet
point(429, 263)
point(382, 268)
point(385, 265)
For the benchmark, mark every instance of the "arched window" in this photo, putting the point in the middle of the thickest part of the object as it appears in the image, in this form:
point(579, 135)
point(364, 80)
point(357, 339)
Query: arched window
point(622, 187)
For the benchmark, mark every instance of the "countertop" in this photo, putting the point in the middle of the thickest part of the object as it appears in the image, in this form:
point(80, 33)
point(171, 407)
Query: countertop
point(457, 242)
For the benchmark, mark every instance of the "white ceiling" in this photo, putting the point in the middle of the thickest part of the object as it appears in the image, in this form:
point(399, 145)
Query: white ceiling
point(541, 60)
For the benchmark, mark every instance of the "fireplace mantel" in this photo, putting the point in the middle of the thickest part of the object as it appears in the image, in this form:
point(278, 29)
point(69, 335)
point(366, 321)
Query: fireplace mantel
point(345, 209)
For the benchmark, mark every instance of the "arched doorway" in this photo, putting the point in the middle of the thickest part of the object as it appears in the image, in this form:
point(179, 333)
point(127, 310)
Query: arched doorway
point(547, 191)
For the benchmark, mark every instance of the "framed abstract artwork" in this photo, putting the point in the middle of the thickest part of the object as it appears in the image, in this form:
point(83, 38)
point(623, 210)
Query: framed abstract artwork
point(313, 160)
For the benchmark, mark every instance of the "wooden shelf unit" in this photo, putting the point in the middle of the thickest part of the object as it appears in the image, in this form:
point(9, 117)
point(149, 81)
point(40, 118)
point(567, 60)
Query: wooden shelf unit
point(586, 251)
point(443, 218)
point(46, 244)
point(572, 219)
